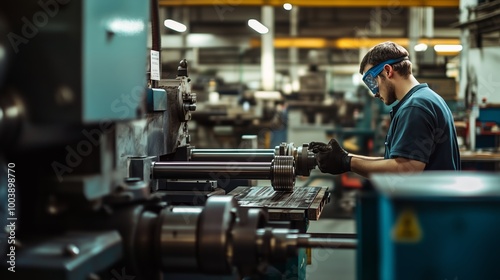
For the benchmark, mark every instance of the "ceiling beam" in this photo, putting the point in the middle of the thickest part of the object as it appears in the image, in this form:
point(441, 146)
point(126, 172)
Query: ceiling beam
point(315, 3)
point(348, 43)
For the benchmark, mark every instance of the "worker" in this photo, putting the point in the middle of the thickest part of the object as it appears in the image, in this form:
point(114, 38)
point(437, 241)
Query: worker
point(422, 133)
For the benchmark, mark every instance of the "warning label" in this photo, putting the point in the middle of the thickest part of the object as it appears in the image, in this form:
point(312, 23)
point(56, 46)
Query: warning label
point(407, 227)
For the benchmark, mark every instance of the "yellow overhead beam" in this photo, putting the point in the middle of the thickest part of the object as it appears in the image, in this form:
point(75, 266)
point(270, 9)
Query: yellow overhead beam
point(315, 3)
point(355, 43)
point(315, 43)
point(348, 43)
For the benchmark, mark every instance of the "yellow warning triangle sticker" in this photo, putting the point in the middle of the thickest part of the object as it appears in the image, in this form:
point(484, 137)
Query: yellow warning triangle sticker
point(407, 227)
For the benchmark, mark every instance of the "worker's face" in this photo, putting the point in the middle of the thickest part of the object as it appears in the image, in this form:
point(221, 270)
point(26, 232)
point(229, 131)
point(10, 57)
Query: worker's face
point(386, 90)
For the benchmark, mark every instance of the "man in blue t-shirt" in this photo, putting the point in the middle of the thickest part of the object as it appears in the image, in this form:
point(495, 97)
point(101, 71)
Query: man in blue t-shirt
point(422, 133)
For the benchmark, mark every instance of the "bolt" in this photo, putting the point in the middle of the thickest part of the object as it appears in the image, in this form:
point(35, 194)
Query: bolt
point(71, 250)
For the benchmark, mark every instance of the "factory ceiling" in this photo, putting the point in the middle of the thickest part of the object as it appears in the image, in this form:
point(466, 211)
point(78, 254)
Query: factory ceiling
point(328, 25)
point(325, 22)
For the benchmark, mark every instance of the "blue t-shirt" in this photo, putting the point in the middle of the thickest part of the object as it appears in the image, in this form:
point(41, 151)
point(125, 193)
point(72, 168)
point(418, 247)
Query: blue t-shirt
point(422, 129)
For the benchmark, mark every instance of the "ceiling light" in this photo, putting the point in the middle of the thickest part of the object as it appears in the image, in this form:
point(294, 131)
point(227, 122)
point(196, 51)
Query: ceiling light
point(257, 26)
point(448, 48)
point(420, 47)
point(287, 6)
point(174, 25)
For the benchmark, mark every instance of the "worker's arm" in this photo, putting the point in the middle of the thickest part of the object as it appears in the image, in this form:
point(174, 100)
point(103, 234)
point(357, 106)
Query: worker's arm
point(365, 167)
point(333, 159)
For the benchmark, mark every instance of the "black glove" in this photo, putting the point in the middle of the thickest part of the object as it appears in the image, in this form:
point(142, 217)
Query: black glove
point(331, 157)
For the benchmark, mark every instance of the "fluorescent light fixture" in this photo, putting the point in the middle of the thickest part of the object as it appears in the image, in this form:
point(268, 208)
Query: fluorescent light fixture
point(448, 48)
point(174, 25)
point(257, 26)
point(287, 6)
point(420, 47)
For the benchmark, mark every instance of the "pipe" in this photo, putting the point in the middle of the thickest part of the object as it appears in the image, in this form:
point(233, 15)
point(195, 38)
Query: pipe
point(211, 170)
point(333, 235)
point(233, 151)
point(327, 243)
point(240, 155)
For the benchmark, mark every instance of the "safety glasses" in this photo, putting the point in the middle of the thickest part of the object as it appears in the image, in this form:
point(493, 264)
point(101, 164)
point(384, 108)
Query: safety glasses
point(370, 77)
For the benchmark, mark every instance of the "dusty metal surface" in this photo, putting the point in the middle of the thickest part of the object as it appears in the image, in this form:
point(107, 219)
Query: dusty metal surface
point(311, 200)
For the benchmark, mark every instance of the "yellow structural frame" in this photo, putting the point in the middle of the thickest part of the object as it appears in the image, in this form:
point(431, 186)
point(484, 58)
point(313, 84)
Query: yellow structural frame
point(348, 43)
point(315, 3)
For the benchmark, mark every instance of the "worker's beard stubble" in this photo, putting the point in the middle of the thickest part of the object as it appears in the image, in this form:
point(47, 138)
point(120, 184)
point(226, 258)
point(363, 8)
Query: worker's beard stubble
point(390, 89)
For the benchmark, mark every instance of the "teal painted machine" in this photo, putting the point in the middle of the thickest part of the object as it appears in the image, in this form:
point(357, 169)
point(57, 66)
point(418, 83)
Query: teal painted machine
point(85, 60)
point(436, 225)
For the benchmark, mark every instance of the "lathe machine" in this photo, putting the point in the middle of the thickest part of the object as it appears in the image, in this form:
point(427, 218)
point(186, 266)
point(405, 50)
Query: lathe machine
point(98, 179)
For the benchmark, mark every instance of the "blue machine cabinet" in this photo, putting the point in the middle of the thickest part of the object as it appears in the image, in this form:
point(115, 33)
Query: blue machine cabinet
point(435, 225)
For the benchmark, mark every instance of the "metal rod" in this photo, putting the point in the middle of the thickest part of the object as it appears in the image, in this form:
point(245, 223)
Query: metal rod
point(327, 243)
point(240, 155)
point(233, 151)
point(211, 170)
point(333, 235)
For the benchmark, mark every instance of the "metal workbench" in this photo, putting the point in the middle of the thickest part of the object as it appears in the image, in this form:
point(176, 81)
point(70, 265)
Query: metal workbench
point(284, 206)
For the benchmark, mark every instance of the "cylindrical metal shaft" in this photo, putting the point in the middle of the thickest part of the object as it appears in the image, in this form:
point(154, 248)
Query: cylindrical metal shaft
point(327, 243)
point(333, 235)
point(240, 155)
point(211, 170)
point(233, 151)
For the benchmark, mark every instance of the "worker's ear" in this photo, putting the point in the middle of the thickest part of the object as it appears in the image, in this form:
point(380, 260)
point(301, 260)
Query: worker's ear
point(389, 71)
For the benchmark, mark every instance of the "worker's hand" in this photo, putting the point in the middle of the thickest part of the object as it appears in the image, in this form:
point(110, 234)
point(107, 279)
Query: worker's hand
point(331, 157)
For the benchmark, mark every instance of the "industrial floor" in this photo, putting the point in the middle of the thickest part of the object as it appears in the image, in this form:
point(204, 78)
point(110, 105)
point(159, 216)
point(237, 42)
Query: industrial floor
point(333, 264)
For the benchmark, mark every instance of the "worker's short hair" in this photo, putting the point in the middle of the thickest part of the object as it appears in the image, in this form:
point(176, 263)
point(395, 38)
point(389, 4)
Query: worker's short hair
point(385, 51)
